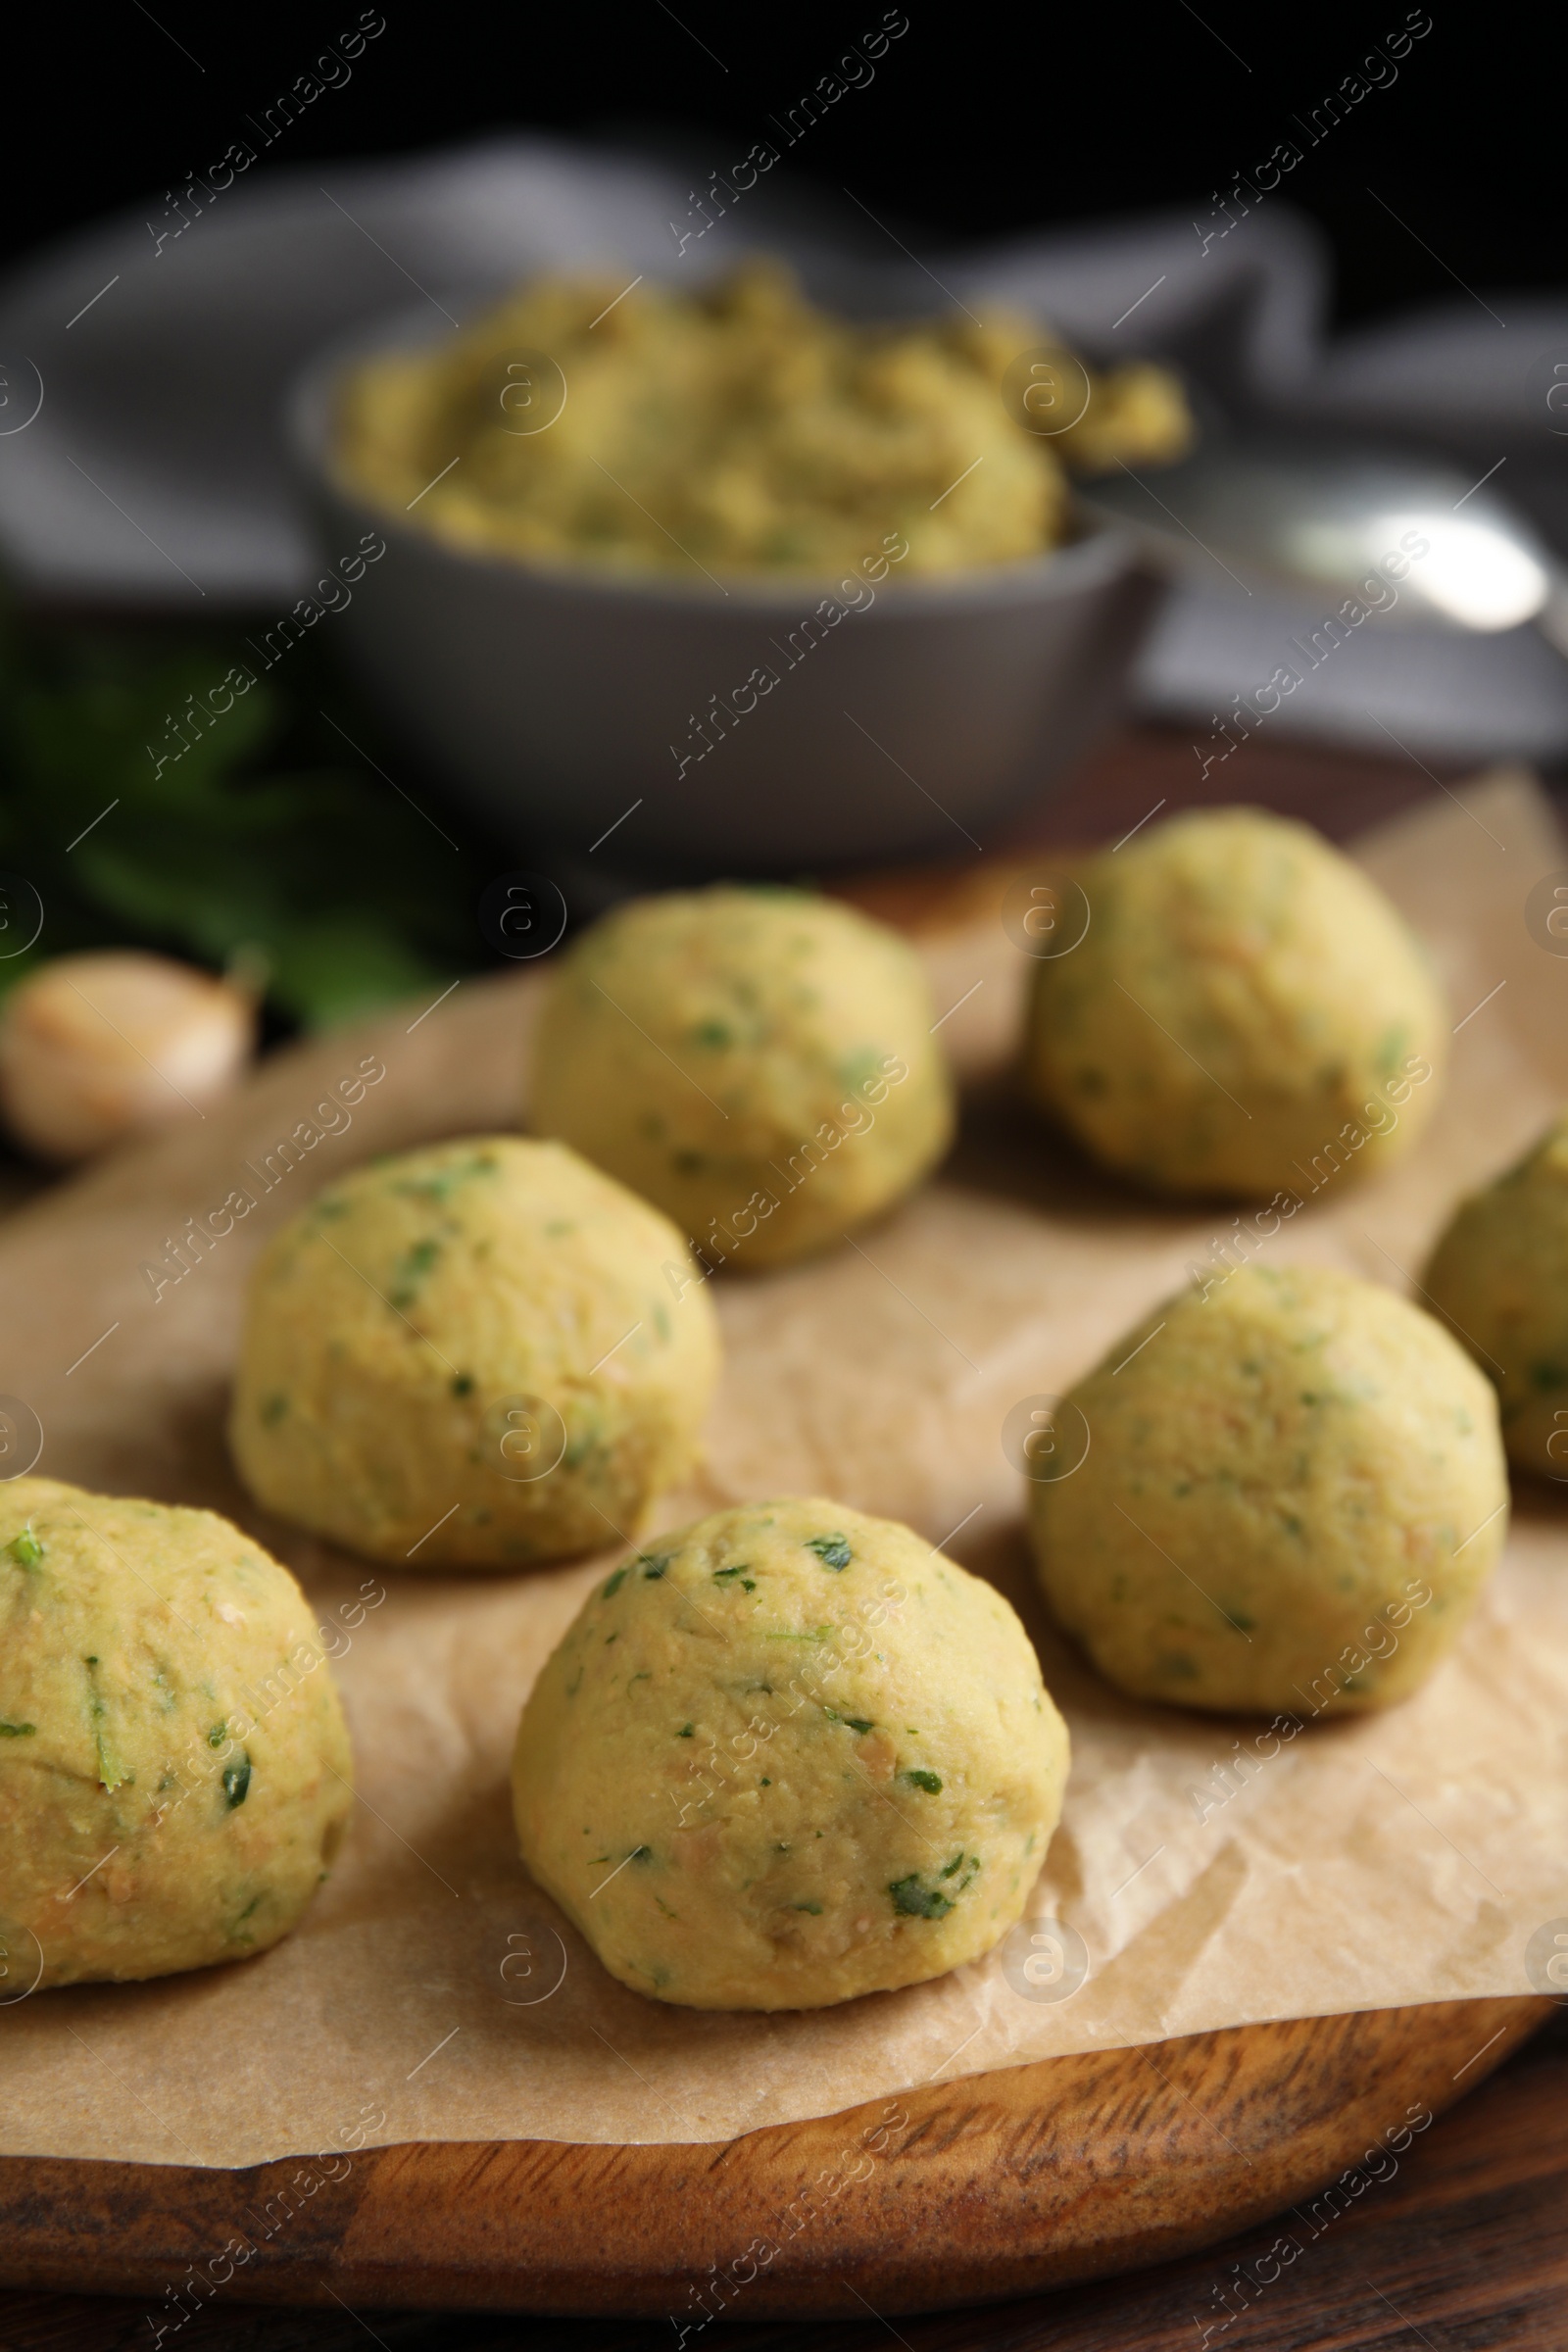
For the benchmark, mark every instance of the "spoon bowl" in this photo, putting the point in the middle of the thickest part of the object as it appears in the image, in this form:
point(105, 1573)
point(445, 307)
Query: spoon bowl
point(1282, 512)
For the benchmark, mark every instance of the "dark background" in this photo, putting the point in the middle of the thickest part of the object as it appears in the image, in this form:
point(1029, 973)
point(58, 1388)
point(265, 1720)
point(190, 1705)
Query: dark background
point(979, 120)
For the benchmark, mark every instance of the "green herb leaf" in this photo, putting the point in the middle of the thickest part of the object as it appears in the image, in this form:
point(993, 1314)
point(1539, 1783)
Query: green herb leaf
point(25, 1548)
point(315, 870)
point(612, 1585)
point(930, 1782)
point(832, 1550)
point(15, 1731)
point(237, 1781)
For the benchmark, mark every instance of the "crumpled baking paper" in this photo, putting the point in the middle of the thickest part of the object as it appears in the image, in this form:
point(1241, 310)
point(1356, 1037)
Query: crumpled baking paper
point(1206, 1873)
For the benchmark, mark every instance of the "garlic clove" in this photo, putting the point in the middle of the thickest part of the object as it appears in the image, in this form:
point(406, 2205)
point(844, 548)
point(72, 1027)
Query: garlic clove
point(116, 1043)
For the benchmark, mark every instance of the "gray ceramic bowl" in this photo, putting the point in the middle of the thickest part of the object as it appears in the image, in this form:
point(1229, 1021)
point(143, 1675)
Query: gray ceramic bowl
point(554, 700)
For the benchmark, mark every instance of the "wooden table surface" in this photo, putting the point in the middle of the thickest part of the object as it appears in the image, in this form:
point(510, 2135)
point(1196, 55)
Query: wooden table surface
point(1465, 2248)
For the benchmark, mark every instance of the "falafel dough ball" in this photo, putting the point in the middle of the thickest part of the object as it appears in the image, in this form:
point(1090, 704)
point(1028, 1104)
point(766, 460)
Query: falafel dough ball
point(481, 1354)
point(789, 1755)
point(1499, 1277)
point(174, 1772)
point(1244, 999)
point(759, 1061)
point(1294, 1492)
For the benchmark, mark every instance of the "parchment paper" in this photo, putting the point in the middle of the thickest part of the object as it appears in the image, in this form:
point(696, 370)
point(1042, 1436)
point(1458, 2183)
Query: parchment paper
point(1403, 1858)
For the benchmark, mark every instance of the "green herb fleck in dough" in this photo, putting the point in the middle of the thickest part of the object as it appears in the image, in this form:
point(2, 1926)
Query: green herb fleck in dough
point(25, 1549)
point(274, 1408)
point(235, 1936)
point(860, 1068)
point(930, 1782)
point(410, 1270)
point(641, 1853)
point(654, 1564)
point(112, 1771)
point(712, 1033)
point(816, 1909)
point(687, 1730)
point(462, 1383)
point(1390, 1049)
point(832, 1550)
point(217, 1734)
point(15, 1731)
point(853, 1723)
point(237, 1781)
point(723, 1576)
point(439, 1187)
point(614, 1584)
point(916, 1901)
point(589, 1440)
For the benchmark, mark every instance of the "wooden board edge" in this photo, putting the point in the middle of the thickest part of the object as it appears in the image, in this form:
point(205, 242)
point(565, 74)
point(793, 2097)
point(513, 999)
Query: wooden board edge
point(999, 2184)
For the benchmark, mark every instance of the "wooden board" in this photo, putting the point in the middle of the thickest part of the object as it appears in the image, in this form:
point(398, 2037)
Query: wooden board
point(996, 2186)
point(1029, 2178)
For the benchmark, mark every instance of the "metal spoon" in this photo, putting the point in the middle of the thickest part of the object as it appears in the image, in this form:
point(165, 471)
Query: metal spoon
point(1400, 533)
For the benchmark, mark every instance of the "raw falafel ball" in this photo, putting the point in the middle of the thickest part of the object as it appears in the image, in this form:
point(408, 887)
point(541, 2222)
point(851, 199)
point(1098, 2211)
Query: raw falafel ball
point(1499, 1277)
point(482, 1354)
point(759, 1062)
point(174, 1770)
point(1245, 1002)
point(788, 1755)
point(1294, 1492)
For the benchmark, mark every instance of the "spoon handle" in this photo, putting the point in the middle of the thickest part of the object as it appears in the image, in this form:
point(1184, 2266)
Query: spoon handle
point(1552, 618)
